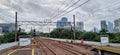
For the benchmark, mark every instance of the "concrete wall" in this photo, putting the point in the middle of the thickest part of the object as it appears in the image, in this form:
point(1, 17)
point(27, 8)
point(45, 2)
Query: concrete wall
point(7, 45)
point(87, 42)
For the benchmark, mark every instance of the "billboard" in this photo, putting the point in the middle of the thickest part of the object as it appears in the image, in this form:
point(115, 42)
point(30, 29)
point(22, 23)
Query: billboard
point(104, 40)
point(24, 41)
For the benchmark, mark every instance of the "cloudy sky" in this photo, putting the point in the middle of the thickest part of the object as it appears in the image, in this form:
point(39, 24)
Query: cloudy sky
point(91, 13)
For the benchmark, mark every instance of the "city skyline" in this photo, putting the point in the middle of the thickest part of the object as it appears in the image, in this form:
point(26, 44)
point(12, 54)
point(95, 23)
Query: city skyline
point(107, 25)
point(90, 13)
point(80, 25)
point(59, 27)
point(64, 23)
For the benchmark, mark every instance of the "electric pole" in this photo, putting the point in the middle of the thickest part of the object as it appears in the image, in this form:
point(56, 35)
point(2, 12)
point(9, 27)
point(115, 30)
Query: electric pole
point(74, 27)
point(49, 32)
point(16, 26)
point(71, 31)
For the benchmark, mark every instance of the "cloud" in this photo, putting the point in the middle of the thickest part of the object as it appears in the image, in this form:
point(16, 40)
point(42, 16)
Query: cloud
point(90, 13)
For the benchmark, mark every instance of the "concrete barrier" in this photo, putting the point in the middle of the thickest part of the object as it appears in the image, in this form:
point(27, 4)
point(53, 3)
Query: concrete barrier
point(7, 45)
point(86, 42)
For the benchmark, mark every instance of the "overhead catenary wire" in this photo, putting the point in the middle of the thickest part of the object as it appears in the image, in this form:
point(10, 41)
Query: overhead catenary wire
point(72, 5)
point(107, 6)
point(73, 8)
point(69, 7)
point(59, 8)
point(62, 4)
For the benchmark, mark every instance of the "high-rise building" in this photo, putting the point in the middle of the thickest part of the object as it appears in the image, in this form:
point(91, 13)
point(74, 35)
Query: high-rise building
point(64, 19)
point(95, 29)
point(7, 27)
point(62, 23)
point(79, 26)
point(68, 25)
point(58, 25)
point(110, 27)
point(117, 25)
point(0, 30)
point(103, 25)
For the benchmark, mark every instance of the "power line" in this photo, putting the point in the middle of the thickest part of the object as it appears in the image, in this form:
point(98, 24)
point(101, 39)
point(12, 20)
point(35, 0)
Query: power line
point(68, 4)
point(72, 5)
point(59, 8)
point(106, 6)
point(74, 8)
point(69, 7)
point(63, 9)
point(62, 4)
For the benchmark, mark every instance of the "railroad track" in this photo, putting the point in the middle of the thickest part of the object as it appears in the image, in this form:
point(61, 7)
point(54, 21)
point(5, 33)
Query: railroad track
point(66, 47)
point(77, 46)
point(50, 47)
point(45, 48)
point(40, 49)
point(64, 51)
point(70, 49)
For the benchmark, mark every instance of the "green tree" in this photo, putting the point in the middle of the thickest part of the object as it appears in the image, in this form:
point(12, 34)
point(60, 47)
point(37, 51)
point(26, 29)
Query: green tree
point(116, 38)
point(103, 31)
point(1, 39)
point(89, 36)
point(10, 37)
